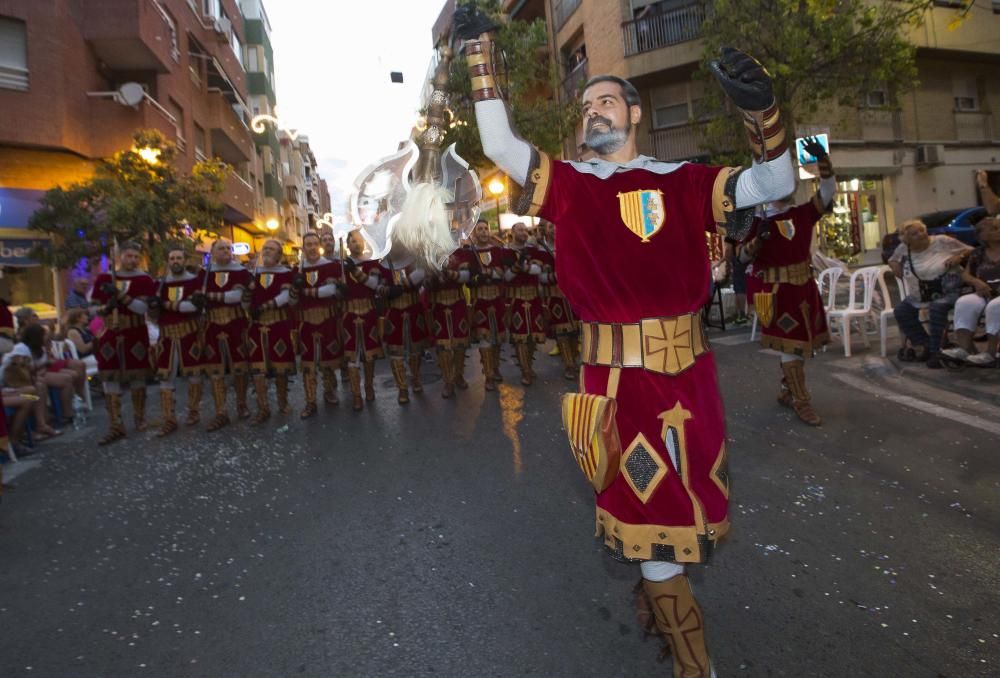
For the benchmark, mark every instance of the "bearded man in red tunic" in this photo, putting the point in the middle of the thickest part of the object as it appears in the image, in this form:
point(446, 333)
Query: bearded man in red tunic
point(177, 307)
point(634, 265)
point(123, 344)
point(526, 311)
point(362, 339)
point(489, 307)
point(450, 317)
point(781, 287)
point(405, 325)
point(321, 349)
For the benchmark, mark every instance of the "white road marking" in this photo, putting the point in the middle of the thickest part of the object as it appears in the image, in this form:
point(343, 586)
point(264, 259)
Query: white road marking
point(11, 471)
point(986, 424)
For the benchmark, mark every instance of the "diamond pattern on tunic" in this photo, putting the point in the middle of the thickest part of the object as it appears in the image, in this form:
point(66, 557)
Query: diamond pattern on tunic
point(438, 328)
point(107, 352)
point(787, 323)
point(517, 321)
point(641, 467)
point(389, 327)
point(138, 351)
point(195, 351)
point(333, 346)
point(280, 347)
point(251, 346)
point(464, 326)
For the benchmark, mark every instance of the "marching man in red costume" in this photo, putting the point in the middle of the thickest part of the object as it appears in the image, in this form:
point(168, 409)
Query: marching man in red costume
point(781, 286)
point(527, 313)
point(224, 346)
point(450, 318)
point(648, 428)
point(269, 339)
point(562, 324)
point(405, 327)
point(319, 326)
point(123, 345)
point(362, 343)
point(178, 350)
point(489, 306)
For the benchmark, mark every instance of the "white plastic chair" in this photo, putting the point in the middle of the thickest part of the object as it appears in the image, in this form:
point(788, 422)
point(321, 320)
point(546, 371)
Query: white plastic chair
point(827, 283)
point(859, 307)
point(883, 319)
point(91, 363)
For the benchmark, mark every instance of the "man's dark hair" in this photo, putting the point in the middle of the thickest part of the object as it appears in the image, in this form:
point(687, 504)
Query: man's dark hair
point(482, 221)
point(629, 93)
point(130, 245)
point(176, 247)
point(34, 338)
point(311, 234)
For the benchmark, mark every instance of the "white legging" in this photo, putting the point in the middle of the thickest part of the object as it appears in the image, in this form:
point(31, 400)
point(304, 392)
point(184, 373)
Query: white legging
point(969, 307)
point(660, 570)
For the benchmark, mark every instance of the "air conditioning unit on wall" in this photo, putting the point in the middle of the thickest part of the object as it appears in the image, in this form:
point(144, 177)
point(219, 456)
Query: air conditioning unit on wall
point(929, 155)
point(222, 27)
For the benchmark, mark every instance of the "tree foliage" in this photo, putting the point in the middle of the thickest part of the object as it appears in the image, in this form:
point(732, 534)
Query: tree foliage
point(131, 197)
point(819, 52)
point(529, 85)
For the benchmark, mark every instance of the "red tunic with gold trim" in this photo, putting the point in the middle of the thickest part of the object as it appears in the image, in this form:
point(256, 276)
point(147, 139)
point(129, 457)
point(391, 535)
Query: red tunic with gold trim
point(489, 303)
point(405, 327)
point(526, 319)
point(269, 338)
point(122, 349)
point(559, 317)
point(362, 339)
point(780, 284)
point(319, 322)
point(633, 263)
point(226, 332)
point(178, 350)
point(6, 321)
point(449, 311)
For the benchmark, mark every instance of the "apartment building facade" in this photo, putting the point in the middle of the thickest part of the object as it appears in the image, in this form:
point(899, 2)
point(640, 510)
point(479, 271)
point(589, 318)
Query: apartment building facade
point(64, 69)
point(893, 164)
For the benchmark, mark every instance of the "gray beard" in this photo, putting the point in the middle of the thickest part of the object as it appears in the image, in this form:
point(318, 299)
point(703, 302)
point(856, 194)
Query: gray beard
point(606, 143)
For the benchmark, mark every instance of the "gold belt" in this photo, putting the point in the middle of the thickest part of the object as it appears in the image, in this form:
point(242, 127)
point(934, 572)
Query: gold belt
point(128, 321)
point(488, 292)
point(270, 316)
point(796, 274)
point(662, 345)
point(358, 306)
point(316, 314)
point(177, 331)
point(522, 292)
point(222, 315)
point(405, 300)
point(553, 291)
point(448, 297)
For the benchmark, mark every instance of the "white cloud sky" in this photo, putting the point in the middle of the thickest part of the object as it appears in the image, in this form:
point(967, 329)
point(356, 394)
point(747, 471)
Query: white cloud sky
point(332, 62)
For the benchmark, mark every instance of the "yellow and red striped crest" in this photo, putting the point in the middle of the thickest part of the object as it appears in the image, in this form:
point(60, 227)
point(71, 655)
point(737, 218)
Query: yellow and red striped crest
point(593, 437)
point(643, 212)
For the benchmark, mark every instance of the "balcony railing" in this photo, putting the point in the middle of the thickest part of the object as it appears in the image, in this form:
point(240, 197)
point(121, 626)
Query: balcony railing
point(662, 30)
point(575, 80)
point(675, 143)
point(973, 126)
point(563, 10)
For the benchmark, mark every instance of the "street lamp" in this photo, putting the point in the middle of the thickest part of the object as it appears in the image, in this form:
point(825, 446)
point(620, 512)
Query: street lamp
point(496, 188)
point(149, 154)
point(272, 224)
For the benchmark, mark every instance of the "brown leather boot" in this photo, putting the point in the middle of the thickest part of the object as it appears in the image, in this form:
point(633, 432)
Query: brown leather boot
point(309, 385)
point(795, 378)
point(565, 344)
point(486, 357)
point(369, 380)
point(219, 399)
point(354, 376)
point(524, 361)
point(263, 409)
point(139, 408)
point(116, 427)
point(194, 403)
point(458, 354)
point(169, 424)
point(784, 395)
point(446, 362)
point(679, 619)
point(240, 384)
point(330, 386)
point(281, 392)
point(399, 375)
point(415, 382)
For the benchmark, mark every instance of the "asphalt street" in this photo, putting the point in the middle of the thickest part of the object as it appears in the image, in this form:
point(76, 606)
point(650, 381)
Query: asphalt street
point(455, 538)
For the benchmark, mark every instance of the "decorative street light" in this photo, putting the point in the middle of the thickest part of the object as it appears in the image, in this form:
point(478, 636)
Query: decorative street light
point(272, 224)
point(149, 154)
point(496, 189)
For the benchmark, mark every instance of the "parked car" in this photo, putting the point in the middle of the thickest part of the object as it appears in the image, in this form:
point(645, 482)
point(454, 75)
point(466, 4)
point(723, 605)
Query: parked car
point(959, 224)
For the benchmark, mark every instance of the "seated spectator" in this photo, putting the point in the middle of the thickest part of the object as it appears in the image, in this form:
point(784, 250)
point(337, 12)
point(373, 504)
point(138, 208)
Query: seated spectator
point(982, 272)
point(20, 387)
point(26, 317)
point(990, 200)
point(45, 372)
point(929, 266)
point(77, 297)
point(25, 401)
point(78, 331)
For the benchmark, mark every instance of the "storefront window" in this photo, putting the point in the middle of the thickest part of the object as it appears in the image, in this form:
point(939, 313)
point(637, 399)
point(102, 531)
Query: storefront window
point(856, 225)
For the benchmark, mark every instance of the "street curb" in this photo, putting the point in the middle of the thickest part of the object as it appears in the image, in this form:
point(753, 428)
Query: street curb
point(952, 380)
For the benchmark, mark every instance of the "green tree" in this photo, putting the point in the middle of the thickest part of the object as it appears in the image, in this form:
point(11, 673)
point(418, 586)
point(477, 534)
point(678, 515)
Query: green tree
point(820, 52)
point(137, 194)
point(528, 86)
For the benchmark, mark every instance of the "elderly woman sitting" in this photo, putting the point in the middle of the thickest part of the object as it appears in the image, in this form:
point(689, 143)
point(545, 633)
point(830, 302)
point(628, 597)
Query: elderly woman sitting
point(982, 273)
point(929, 266)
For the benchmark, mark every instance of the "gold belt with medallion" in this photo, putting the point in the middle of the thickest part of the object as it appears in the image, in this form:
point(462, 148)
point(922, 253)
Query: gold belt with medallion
point(223, 315)
point(358, 306)
point(128, 321)
point(796, 274)
point(523, 292)
point(667, 345)
point(178, 331)
point(405, 300)
point(270, 316)
point(448, 297)
point(488, 292)
point(316, 314)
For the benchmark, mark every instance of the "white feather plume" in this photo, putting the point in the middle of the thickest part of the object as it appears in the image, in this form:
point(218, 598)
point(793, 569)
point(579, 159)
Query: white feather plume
point(423, 227)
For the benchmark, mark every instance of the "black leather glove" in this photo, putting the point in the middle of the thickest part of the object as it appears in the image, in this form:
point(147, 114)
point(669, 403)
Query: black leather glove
point(814, 148)
point(342, 287)
point(154, 303)
point(394, 292)
point(198, 300)
point(254, 312)
point(743, 79)
point(482, 279)
point(469, 22)
point(298, 281)
point(350, 266)
point(109, 290)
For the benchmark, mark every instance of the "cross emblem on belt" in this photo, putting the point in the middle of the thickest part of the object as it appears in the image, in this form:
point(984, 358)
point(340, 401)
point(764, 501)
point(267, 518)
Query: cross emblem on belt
point(672, 340)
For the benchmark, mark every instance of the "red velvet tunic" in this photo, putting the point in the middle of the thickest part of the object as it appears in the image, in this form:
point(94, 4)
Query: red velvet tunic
point(319, 321)
point(526, 318)
point(489, 305)
point(559, 317)
point(795, 321)
point(657, 267)
point(270, 347)
point(449, 312)
point(405, 327)
point(122, 351)
point(226, 333)
point(362, 339)
point(178, 351)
